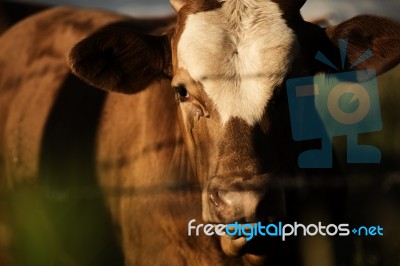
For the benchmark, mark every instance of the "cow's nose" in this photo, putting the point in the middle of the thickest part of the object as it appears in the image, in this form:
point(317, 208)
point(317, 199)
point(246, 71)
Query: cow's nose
point(223, 197)
point(234, 205)
point(230, 198)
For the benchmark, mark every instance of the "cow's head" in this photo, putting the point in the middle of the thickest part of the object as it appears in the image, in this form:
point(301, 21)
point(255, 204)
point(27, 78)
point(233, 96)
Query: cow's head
point(228, 62)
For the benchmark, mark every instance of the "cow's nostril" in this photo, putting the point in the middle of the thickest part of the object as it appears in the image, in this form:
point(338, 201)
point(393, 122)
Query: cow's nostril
point(215, 198)
point(221, 198)
point(227, 205)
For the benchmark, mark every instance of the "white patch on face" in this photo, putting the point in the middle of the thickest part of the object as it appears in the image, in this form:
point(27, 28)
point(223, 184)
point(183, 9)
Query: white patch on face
point(240, 53)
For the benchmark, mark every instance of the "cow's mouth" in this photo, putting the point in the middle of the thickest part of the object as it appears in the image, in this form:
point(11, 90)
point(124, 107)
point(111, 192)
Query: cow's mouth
point(240, 239)
point(256, 249)
point(233, 246)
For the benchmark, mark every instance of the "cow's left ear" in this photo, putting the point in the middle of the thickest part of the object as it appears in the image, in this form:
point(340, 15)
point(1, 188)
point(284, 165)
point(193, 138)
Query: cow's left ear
point(380, 35)
point(120, 59)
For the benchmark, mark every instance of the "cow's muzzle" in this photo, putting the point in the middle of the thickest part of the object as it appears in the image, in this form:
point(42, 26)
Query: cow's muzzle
point(243, 198)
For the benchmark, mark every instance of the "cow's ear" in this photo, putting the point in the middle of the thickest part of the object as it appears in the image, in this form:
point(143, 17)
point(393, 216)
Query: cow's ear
point(118, 58)
point(380, 35)
point(177, 4)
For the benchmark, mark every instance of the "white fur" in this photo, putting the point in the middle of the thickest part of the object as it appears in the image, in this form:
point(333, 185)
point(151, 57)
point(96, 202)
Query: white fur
point(240, 53)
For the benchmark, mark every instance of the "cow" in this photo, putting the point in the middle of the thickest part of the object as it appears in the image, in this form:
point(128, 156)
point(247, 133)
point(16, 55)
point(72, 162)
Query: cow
point(203, 133)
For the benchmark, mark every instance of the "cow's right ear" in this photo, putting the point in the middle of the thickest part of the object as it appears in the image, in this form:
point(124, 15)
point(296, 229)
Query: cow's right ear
point(120, 59)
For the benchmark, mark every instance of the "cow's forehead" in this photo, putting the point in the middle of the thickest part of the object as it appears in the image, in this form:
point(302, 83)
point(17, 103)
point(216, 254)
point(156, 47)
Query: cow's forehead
point(240, 52)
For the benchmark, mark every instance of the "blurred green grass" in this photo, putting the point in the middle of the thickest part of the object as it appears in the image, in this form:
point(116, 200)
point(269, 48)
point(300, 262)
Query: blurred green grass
point(51, 226)
point(389, 93)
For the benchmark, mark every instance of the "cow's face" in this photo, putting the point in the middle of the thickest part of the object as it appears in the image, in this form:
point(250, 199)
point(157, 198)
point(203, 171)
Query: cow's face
point(227, 62)
point(226, 70)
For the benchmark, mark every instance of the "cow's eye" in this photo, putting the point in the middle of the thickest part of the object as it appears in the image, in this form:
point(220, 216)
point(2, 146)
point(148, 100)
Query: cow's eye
point(182, 93)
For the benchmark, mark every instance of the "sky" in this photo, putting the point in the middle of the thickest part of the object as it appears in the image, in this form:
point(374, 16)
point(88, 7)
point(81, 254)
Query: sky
point(339, 10)
point(336, 10)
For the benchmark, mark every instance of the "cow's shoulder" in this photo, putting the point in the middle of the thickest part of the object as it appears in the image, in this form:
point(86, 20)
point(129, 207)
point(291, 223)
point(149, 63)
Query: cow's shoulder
point(56, 28)
point(33, 73)
point(38, 44)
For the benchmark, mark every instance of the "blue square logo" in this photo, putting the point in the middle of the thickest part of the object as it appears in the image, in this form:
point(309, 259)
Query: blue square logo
point(329, 105)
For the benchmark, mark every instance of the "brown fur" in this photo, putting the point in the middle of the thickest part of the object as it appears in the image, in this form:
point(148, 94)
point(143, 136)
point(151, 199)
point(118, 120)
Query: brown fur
point(134, 143)
point(134, 54)
point(50, 119)
point(363, 33)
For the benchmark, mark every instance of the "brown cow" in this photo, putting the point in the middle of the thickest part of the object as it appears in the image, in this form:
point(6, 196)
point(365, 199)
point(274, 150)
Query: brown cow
point(228, 62)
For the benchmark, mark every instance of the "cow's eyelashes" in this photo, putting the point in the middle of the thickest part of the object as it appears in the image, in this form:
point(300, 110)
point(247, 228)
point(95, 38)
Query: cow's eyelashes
point(182, 93)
